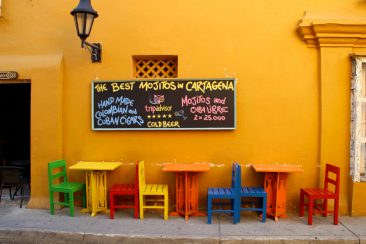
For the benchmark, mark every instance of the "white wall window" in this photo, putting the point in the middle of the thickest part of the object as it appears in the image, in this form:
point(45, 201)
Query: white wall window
point(358, 119)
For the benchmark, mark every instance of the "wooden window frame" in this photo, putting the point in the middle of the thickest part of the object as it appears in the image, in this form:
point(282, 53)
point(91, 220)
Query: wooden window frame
point(358, 131)
point(154, 69)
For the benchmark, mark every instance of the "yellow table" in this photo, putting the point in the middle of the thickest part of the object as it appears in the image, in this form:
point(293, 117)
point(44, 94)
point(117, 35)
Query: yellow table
point(96, 184)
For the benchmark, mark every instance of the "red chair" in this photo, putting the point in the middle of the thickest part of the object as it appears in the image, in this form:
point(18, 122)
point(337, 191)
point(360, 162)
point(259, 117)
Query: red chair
point(125, 190)
point(322, 193)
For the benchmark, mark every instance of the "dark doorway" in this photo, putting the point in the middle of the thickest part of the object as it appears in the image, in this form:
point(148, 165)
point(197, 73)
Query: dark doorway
point(15, 125)
point(15, 121)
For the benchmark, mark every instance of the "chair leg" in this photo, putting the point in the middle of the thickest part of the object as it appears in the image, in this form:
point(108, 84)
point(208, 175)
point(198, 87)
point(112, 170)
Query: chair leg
point(166, 206)
point(209, 209)
point(325, 207)
point(111, 205)
point(264, 208)
point(310, 211)
point(301, 211)
point(52, 207)
point(232, 203)
point(11, 197)
point(136, 208)
point(66, 197)
point(141, 206)
point(237, 206)
point(17, 188)
point(83, 197)
point(22, 193)
point(71, 203)
point(336, 209)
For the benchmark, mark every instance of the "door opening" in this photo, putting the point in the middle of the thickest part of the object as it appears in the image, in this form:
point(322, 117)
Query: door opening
point(15, 135)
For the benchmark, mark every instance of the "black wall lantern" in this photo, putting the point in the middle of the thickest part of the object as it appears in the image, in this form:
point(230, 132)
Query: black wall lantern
point(84, 16)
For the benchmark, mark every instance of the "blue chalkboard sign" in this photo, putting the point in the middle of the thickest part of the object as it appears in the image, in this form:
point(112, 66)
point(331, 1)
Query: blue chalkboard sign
point(164, 104)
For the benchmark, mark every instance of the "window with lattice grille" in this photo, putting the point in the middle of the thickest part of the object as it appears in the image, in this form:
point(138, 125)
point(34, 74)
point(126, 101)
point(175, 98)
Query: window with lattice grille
point(155, 66)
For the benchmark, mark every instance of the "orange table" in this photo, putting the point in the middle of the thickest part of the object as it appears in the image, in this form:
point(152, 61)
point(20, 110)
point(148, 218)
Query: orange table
point(187, 187)
point(275, 184)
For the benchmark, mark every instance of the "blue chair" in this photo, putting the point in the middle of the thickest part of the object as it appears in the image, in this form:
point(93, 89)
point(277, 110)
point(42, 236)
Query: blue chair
point(257, 193)
point(232, 194)
point(239, 197)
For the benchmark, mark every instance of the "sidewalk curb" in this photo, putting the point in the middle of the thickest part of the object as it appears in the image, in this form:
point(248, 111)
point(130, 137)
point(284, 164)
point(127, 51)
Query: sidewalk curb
point(62, 237)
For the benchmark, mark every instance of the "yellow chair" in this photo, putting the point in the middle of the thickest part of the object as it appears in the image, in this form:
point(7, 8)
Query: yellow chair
point(151, 190)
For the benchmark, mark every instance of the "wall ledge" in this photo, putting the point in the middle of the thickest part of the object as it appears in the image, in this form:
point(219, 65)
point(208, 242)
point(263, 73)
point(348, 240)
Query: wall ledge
point(333, 32)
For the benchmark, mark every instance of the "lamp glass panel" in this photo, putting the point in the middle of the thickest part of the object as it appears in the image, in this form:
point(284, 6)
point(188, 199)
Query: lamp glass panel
point(80, 18)
point(88, 23)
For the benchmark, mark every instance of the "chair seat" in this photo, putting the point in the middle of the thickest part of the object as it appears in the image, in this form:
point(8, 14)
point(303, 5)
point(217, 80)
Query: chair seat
point(221, 192)
point(71, 186)
point(123, 189)
point(155, 189)
point(319, 193)
point(252, 192)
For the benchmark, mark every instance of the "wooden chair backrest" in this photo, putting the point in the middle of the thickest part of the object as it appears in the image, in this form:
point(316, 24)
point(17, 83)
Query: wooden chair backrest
point(328, 180)
point(61, 172)
point(236, 178)
point(141, 174)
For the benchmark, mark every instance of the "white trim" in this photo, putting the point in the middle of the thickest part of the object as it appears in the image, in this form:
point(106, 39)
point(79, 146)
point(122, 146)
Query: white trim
point(357, 137)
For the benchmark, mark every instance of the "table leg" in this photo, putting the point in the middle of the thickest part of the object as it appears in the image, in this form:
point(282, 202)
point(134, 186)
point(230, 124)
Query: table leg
point(89, 205)
point(96, 192)
point(270, 180)
point(275, 184)
point(281, 195)
point(187, 195)
point(193, 201)
point(179, 194)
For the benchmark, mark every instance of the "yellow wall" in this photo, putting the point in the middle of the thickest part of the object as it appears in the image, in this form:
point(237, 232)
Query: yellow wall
point(292, 100)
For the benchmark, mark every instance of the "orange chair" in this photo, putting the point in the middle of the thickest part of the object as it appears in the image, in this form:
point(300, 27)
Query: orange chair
point(322, 193)
point(125, 190)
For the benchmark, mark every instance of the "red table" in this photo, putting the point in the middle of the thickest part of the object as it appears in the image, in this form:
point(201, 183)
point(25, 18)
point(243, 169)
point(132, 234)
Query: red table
point(275, 184)
point(187, 187)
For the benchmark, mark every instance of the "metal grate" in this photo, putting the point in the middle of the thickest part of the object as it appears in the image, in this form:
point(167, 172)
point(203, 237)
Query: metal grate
point(155, 66)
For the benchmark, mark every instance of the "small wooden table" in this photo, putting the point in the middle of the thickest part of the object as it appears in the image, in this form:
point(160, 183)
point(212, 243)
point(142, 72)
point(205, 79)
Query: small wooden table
point(275, 184)
point(96, 184)
point(186, 185)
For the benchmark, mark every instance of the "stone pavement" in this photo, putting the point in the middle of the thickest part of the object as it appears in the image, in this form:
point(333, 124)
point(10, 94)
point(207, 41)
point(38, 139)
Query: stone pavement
point(38, 226)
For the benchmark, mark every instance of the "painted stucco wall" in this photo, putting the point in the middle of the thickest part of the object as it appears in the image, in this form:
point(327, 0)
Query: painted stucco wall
point(284, 115)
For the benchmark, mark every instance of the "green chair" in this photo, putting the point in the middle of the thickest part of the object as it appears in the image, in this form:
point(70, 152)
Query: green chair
point(57, 172)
